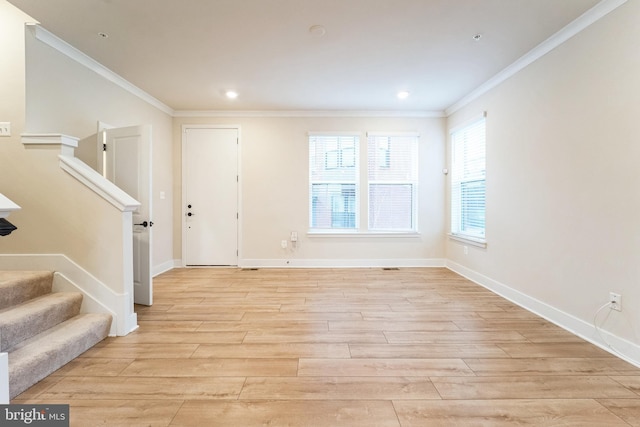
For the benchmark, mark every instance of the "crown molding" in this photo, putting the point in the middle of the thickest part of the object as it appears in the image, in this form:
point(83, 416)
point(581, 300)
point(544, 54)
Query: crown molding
point(66, 49)
point(73, 53)
point(309, 113)
point(591, 16)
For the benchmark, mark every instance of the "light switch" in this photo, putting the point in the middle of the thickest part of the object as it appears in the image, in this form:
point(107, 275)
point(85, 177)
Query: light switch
point(5, 128)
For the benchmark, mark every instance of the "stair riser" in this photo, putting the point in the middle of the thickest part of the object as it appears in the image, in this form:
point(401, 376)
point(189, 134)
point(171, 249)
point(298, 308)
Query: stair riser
point(19, 287)
point(44, 354)
point(41, 331)
point(30, 319)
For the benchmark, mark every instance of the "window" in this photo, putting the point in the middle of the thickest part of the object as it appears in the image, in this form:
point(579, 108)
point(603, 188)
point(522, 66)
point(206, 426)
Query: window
point(392, 181)
point(333, 180)
point(468, 188)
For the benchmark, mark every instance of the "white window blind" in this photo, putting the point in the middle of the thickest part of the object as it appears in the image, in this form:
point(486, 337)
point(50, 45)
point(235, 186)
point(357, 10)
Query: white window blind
point(468, 187)
point(333, 181)
point(392, 182)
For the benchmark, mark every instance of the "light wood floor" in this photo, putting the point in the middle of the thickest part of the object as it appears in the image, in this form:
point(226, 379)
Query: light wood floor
point(360, 347)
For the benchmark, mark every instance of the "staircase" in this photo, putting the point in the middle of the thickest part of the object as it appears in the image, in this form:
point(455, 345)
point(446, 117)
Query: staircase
point(41, 330)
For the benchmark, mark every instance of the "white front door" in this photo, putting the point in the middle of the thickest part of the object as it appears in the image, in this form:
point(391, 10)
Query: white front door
point(210, 196)
point(127, 163)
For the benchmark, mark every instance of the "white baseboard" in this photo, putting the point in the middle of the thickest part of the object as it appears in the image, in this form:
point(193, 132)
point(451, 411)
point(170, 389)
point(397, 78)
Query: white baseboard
point(4, 379)
point(165, 266)
point(615, 345)
point(90, 303)
point(71, 276)
point(340, 263)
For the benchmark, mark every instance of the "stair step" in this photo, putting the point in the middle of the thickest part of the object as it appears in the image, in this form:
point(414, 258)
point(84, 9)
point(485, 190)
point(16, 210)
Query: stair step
point(28, 319)
point(17, 287)
point(34, 359)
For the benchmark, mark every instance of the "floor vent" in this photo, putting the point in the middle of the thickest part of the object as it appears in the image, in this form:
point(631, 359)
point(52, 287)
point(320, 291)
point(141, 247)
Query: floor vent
point(249, 269)
point(390, 268)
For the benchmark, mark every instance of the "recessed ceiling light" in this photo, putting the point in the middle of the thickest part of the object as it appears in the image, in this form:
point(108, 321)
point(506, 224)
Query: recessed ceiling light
point(403, 94)
point(317, 30)
point(477, 37)
point(103, 35)
point(231, 94)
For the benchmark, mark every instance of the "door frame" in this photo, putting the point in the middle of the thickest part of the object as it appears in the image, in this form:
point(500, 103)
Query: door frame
point(146, 296)
point(183, 212)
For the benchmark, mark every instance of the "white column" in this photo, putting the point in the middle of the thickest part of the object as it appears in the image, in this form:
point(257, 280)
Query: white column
point(4, 379)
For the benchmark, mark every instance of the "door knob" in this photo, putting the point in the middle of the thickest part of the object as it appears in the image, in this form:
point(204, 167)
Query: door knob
point(145, 224)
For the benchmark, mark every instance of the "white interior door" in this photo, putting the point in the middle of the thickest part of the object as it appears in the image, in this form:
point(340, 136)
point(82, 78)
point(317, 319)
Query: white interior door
point(127, 163)
point(210, 196)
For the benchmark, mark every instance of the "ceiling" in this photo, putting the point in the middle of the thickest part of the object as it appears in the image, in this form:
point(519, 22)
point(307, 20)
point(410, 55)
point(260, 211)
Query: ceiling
point(188, 53)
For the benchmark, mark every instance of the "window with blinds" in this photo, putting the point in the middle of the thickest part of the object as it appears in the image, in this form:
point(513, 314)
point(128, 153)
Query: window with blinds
point(468, 188)
point(333, 181)
point(392, 182)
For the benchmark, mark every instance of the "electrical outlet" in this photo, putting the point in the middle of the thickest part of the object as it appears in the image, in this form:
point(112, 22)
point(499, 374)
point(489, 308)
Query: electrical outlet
point(615, 301)
point(5, 128)
point(283, 244)
point(465, 249)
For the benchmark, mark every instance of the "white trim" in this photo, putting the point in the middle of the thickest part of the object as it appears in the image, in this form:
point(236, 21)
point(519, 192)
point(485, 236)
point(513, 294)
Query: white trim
point(396, 134)
point(90, 302)
point(99, 184)
point(4, 379)
point(591, 16)
point(341, 263)
point(334, 133)
point(7, 206)
point(364, 234)
point(49, 139)
point(309, 113)
point(71, 52)
point(70, 275)
point(81, 171)
point(625, 349)
point(165, 266)
point(468, 240)
point(68, 144)
point(467, 123)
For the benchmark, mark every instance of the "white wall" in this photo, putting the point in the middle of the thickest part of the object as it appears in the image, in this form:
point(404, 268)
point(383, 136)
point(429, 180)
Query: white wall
point(12, 79)
point(63, 96)
point(275, 194)
point(562, 181)
point(562, 159)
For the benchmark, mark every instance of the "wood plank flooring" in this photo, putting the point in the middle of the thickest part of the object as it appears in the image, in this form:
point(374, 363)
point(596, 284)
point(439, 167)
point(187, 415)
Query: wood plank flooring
point(340, 347)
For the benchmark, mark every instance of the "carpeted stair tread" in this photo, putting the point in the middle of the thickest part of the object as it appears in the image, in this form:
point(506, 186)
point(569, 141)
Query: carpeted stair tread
point(28, 319)
point(17, 287)
point(34, 359)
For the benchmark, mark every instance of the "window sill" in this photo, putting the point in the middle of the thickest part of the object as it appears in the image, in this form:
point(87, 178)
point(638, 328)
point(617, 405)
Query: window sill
point(473, 241)
point(364, 234)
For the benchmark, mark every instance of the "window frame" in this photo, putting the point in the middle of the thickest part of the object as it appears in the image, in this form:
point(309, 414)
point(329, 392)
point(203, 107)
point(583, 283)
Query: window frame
point(413, 181)
point(466, 172)
point(353, 202)
point(362, 202)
